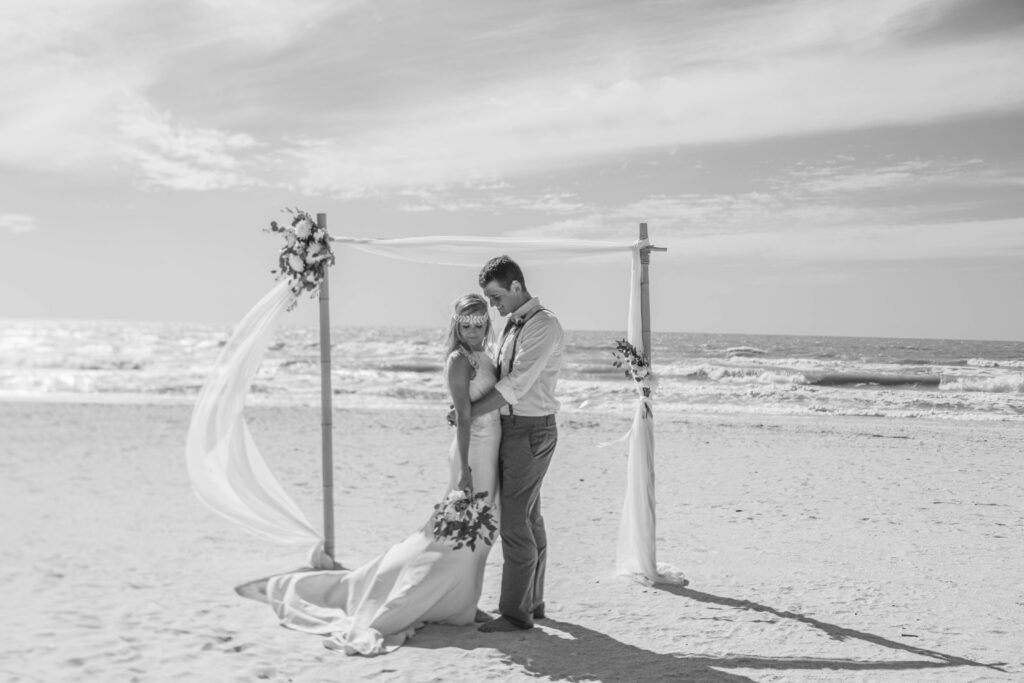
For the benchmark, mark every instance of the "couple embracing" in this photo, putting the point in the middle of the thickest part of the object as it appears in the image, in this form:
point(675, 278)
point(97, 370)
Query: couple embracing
point(504, 406)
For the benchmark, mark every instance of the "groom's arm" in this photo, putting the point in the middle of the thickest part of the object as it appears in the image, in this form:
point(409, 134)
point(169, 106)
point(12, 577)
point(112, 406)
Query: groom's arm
point(492, 400)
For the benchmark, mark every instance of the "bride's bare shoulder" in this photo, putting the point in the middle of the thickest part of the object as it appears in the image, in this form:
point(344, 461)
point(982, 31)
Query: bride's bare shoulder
point(463, 360)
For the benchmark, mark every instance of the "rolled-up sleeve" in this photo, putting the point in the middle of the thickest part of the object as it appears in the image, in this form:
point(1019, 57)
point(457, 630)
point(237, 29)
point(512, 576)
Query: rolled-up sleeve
point(538, 340)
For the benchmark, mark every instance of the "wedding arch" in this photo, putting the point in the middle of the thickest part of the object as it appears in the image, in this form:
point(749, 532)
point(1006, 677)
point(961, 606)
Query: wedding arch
point(230, 476)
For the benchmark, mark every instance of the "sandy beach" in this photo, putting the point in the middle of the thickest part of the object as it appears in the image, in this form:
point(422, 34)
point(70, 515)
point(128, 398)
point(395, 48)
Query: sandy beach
point(816, 548)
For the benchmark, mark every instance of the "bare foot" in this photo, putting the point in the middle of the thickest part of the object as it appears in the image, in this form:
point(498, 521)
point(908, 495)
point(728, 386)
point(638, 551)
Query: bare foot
point(481, 616)
point(501, 624)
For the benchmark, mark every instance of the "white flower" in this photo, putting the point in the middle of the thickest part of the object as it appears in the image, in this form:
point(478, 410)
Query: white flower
point(310, 276)
point(289, 238)
point(296, 263)
point(319, 235)
point(304, 228)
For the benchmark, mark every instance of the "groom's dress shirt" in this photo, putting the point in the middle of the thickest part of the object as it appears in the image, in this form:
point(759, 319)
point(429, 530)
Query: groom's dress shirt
point(528, 375)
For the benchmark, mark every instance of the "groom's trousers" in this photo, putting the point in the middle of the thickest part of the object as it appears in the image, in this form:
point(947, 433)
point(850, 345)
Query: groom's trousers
point(527, 444)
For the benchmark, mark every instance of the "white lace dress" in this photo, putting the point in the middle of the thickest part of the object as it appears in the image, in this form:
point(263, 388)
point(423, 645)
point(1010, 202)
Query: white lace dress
point(375, 608)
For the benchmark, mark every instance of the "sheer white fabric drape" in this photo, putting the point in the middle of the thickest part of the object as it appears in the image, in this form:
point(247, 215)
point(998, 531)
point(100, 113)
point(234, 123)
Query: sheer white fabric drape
point(230, 476)
point(225, 466)
point(636, 548)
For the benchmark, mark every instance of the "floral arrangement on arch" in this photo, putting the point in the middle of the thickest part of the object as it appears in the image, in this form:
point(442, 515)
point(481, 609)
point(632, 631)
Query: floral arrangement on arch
point(306, 252)
point(463, 518)
point(638, 369)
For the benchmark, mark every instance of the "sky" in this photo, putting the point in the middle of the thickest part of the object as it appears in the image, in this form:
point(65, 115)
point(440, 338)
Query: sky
point(827, 167)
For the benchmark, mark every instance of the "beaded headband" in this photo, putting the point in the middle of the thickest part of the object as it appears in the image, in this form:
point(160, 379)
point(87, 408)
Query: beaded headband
point(471, 319)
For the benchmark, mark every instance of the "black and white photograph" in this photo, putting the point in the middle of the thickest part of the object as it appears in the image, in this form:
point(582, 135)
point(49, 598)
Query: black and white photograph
point(604, 342)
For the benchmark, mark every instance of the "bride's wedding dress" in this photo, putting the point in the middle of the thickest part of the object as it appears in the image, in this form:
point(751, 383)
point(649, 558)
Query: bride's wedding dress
point(373, 609)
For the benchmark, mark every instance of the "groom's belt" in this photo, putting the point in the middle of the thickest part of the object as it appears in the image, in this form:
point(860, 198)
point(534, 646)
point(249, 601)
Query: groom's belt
point(528, 419)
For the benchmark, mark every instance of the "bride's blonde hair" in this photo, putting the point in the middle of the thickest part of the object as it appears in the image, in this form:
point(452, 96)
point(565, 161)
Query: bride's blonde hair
point(468, 305)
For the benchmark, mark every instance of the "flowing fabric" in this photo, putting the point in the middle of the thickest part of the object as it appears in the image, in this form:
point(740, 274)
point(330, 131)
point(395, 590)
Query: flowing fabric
point(473, 252)
point(636, 548)
point(225, 466)
point(230, 476)
point(375, 608)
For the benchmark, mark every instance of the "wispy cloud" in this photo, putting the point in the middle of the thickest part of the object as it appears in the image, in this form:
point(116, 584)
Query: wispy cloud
point(17, 223)
point(793, 68)
point(924, 242)
point(911, 209)
point(526, 90)
point(914, 174)
point(960, 20)
point(489, 198)
point(173, 155)
point(268, 24)
point(73, 75)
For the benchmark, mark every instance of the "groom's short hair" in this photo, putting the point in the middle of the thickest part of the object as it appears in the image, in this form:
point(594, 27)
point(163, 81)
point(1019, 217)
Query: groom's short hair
point(503, 270)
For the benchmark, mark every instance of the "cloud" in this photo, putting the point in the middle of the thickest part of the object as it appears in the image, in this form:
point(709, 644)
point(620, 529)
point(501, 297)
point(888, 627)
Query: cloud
point(535, 125)
point(269, 24)
point(70, 71)
point(490, 198)
point(17, 223)
point(349, 99)
point(791, 69)
point(914, 174)
point(181, 157)
point(960, 19)
point(980, 240)
point(831, 211)
point(793, 237)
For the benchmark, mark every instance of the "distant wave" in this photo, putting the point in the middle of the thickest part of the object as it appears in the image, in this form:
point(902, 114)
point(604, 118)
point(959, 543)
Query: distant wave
point(410, 367)
point(998, 385)
point(744, 352)
point(742, 375)
point(847, 379)
point(607, 369)
point(756, 374)
point(986, 363)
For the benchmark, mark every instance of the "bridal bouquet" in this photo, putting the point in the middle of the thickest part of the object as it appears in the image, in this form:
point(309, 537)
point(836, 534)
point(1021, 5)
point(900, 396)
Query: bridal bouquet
point(305, 254)
point(463, 518)
point(639, 369)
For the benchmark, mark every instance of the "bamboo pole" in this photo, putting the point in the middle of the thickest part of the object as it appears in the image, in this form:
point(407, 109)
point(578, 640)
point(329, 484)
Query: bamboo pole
point(645, 293)
point(326, 413)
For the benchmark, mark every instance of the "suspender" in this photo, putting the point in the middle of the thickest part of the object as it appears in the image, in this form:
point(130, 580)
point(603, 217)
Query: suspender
point(515, 342)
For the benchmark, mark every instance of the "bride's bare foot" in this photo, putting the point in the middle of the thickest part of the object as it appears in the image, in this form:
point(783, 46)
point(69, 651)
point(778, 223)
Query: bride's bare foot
point(481, 617)
point(501, 624)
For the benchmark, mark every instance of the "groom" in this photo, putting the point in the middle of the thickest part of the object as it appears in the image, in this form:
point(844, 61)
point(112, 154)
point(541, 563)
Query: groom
point(528, 360)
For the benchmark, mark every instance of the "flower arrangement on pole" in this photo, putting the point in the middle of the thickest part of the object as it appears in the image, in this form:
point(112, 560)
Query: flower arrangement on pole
point(306, 252)
point(638, 369)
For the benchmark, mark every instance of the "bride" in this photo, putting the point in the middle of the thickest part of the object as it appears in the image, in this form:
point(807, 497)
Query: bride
point(373, 609)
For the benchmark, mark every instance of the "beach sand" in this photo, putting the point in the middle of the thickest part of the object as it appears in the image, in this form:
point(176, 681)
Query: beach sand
point(817, 549)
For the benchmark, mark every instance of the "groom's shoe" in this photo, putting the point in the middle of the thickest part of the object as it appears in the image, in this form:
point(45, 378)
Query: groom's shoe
point(482, 617)
point(501, 624)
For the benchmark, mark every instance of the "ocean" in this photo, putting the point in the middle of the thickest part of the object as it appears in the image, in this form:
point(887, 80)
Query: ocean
point(390, 367)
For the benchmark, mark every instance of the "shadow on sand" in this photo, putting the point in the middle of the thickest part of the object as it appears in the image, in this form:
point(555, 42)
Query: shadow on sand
point(560, 650)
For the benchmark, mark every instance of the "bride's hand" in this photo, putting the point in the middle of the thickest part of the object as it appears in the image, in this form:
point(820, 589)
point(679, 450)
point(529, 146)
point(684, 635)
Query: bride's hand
point(466, 480)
